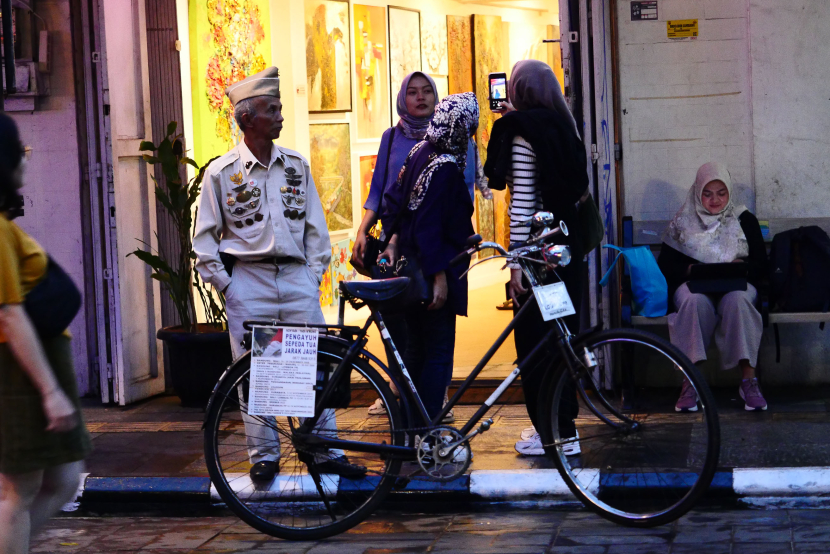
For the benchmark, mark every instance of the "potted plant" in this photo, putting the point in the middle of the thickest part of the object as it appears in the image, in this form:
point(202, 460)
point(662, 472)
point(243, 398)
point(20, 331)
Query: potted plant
point(198, 353)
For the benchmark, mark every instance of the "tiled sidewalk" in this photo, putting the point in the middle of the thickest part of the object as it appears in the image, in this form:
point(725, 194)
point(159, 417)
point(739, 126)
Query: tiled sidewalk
point(700, 532)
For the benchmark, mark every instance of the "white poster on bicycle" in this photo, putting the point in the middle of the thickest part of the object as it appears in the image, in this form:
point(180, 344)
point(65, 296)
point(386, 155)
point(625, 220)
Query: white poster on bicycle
point(554, 301)
point(283, 371)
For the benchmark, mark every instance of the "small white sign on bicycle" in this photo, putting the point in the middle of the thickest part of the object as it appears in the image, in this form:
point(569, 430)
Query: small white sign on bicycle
point(283, 371)
point(554, 301)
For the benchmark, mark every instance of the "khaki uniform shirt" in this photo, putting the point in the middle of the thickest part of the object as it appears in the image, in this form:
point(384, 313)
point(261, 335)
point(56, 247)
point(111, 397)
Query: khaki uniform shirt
point(246, 210)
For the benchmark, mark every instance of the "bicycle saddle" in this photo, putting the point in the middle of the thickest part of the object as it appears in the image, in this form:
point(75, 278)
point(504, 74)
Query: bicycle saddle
point(379, 290)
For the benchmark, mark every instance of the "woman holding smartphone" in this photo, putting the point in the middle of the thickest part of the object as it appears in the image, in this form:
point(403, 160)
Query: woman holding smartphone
point(536, 151)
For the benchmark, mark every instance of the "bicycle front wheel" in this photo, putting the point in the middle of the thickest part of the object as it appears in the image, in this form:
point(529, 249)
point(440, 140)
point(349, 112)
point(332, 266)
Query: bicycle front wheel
point(642, 465)
point(307, 499)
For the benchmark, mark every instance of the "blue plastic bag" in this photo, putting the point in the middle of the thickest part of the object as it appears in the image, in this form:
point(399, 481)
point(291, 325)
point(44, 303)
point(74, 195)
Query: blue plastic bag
point(648, 285)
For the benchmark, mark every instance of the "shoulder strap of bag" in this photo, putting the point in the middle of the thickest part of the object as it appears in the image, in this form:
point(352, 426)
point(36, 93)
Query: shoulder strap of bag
point(607, 276)
point(386, 169)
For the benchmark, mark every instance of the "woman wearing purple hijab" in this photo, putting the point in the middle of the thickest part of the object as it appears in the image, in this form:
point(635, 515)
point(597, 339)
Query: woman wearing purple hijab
point(416, 107)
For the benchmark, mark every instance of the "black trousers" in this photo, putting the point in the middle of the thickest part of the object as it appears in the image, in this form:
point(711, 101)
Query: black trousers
point(529, 331)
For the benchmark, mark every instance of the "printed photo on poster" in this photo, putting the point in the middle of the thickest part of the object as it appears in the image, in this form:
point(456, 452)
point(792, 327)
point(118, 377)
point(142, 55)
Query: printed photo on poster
point(331, 168)
point(434, 43)
point(283, 371)
point(371, 70)
point(367, 170)
point(228, 42)
point(404, 48)
point(327, 50)
point(459, 54)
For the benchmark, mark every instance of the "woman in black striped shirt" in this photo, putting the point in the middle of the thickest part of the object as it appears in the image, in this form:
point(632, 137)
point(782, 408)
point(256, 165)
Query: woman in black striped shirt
point(535, 149)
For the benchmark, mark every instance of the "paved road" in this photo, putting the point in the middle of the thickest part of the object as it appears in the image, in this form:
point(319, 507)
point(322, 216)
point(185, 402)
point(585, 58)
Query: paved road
point(517, 532)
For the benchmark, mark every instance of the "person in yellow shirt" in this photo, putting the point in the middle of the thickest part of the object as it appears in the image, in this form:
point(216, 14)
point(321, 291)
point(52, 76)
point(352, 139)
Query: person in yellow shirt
point(43, 440)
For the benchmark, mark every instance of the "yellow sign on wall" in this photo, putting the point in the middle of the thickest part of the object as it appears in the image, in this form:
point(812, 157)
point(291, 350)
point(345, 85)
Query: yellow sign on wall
point(682, 28)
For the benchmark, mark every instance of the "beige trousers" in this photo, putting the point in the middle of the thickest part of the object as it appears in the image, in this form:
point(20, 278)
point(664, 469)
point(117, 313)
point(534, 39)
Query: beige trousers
point(731, 318)
point(264, 291)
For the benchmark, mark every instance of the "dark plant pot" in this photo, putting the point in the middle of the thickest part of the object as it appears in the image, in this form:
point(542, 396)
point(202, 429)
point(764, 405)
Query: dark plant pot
point(196, 361)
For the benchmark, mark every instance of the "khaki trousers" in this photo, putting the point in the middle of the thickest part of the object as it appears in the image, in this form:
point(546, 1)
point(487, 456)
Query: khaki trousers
point(265, 291)
point(731, 318)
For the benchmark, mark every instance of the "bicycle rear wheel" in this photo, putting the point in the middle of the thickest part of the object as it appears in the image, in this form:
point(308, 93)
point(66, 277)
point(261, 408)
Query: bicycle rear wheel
point(301, 503)
point(642, 466)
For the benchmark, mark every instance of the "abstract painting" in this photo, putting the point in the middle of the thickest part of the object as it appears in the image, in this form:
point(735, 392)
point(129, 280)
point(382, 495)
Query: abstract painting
point(501, 216)
point(371, 70)
point(367, 170)
point(326, 296)
point(485, 222)
point(341, 269)
point(327, 56)
point(229, 41)
point(434, 43)
point(459, 54)
point(331, 168)
point(489, 58)
point(404, 47)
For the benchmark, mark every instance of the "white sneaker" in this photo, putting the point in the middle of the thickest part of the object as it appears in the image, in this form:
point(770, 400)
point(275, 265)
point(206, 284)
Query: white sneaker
point(377, 408)
point(533, 446)
point(527, 433)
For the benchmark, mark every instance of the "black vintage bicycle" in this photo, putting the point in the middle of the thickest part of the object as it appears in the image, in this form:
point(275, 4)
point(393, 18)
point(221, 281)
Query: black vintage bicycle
point(640, 467)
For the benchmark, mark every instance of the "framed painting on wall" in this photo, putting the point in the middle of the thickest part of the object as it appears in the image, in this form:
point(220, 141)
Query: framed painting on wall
point(459, 54)
point(434, 43)
point(217, 61)
point(488, 58)
point(331, 169)
point(367, 170)
point(371, 70)
point(404, 48)
point(328, 63)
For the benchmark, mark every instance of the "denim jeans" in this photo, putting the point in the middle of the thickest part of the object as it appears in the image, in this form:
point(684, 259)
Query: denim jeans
point(429, 353)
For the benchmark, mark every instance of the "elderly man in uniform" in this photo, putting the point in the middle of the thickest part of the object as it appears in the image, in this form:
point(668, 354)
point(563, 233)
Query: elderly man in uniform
point(261, 239)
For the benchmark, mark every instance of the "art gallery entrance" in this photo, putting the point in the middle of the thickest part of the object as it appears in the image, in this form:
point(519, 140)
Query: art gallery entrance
point(341, 66)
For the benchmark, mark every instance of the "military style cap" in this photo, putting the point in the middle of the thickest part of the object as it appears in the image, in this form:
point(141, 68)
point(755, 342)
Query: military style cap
point(264, 83)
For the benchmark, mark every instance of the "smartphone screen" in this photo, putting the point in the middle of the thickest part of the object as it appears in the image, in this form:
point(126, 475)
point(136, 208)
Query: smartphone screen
point(498, 89)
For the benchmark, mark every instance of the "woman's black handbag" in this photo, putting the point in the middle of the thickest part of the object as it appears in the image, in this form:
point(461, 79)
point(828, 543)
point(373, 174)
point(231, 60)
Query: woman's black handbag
point(419, 290)
point(53, 303)
point(374, 246)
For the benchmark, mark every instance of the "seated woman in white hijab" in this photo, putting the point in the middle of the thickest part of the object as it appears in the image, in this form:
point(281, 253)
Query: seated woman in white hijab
point(708, 229)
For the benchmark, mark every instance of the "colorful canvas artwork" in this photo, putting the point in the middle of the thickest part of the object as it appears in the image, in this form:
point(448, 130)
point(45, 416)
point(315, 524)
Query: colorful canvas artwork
point(501, 217)
point(371, 70)
point(331, 168)
point(489, 58)
point(326, 296)
point(229, 40)
point(367, 170)
point(404, 47)
point(328, 62)
point(459, 54)
point(341, 269)
point(434, 43)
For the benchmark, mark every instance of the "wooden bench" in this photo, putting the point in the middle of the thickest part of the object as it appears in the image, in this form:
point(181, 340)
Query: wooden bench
point(649, 233)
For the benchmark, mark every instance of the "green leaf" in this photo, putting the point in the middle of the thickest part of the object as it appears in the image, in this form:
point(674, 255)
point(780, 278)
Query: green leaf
point(146, 145)
point(190, 161)
point(151, 159)
point(171, 128)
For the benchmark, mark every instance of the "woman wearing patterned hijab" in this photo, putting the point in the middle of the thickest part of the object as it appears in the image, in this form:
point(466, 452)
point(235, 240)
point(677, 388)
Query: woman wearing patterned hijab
point(434, 225)
point(709, 228)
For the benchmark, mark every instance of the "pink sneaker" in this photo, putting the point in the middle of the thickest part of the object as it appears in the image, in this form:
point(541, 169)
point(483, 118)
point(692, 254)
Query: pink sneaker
point(750, 391)
point(688, 398)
